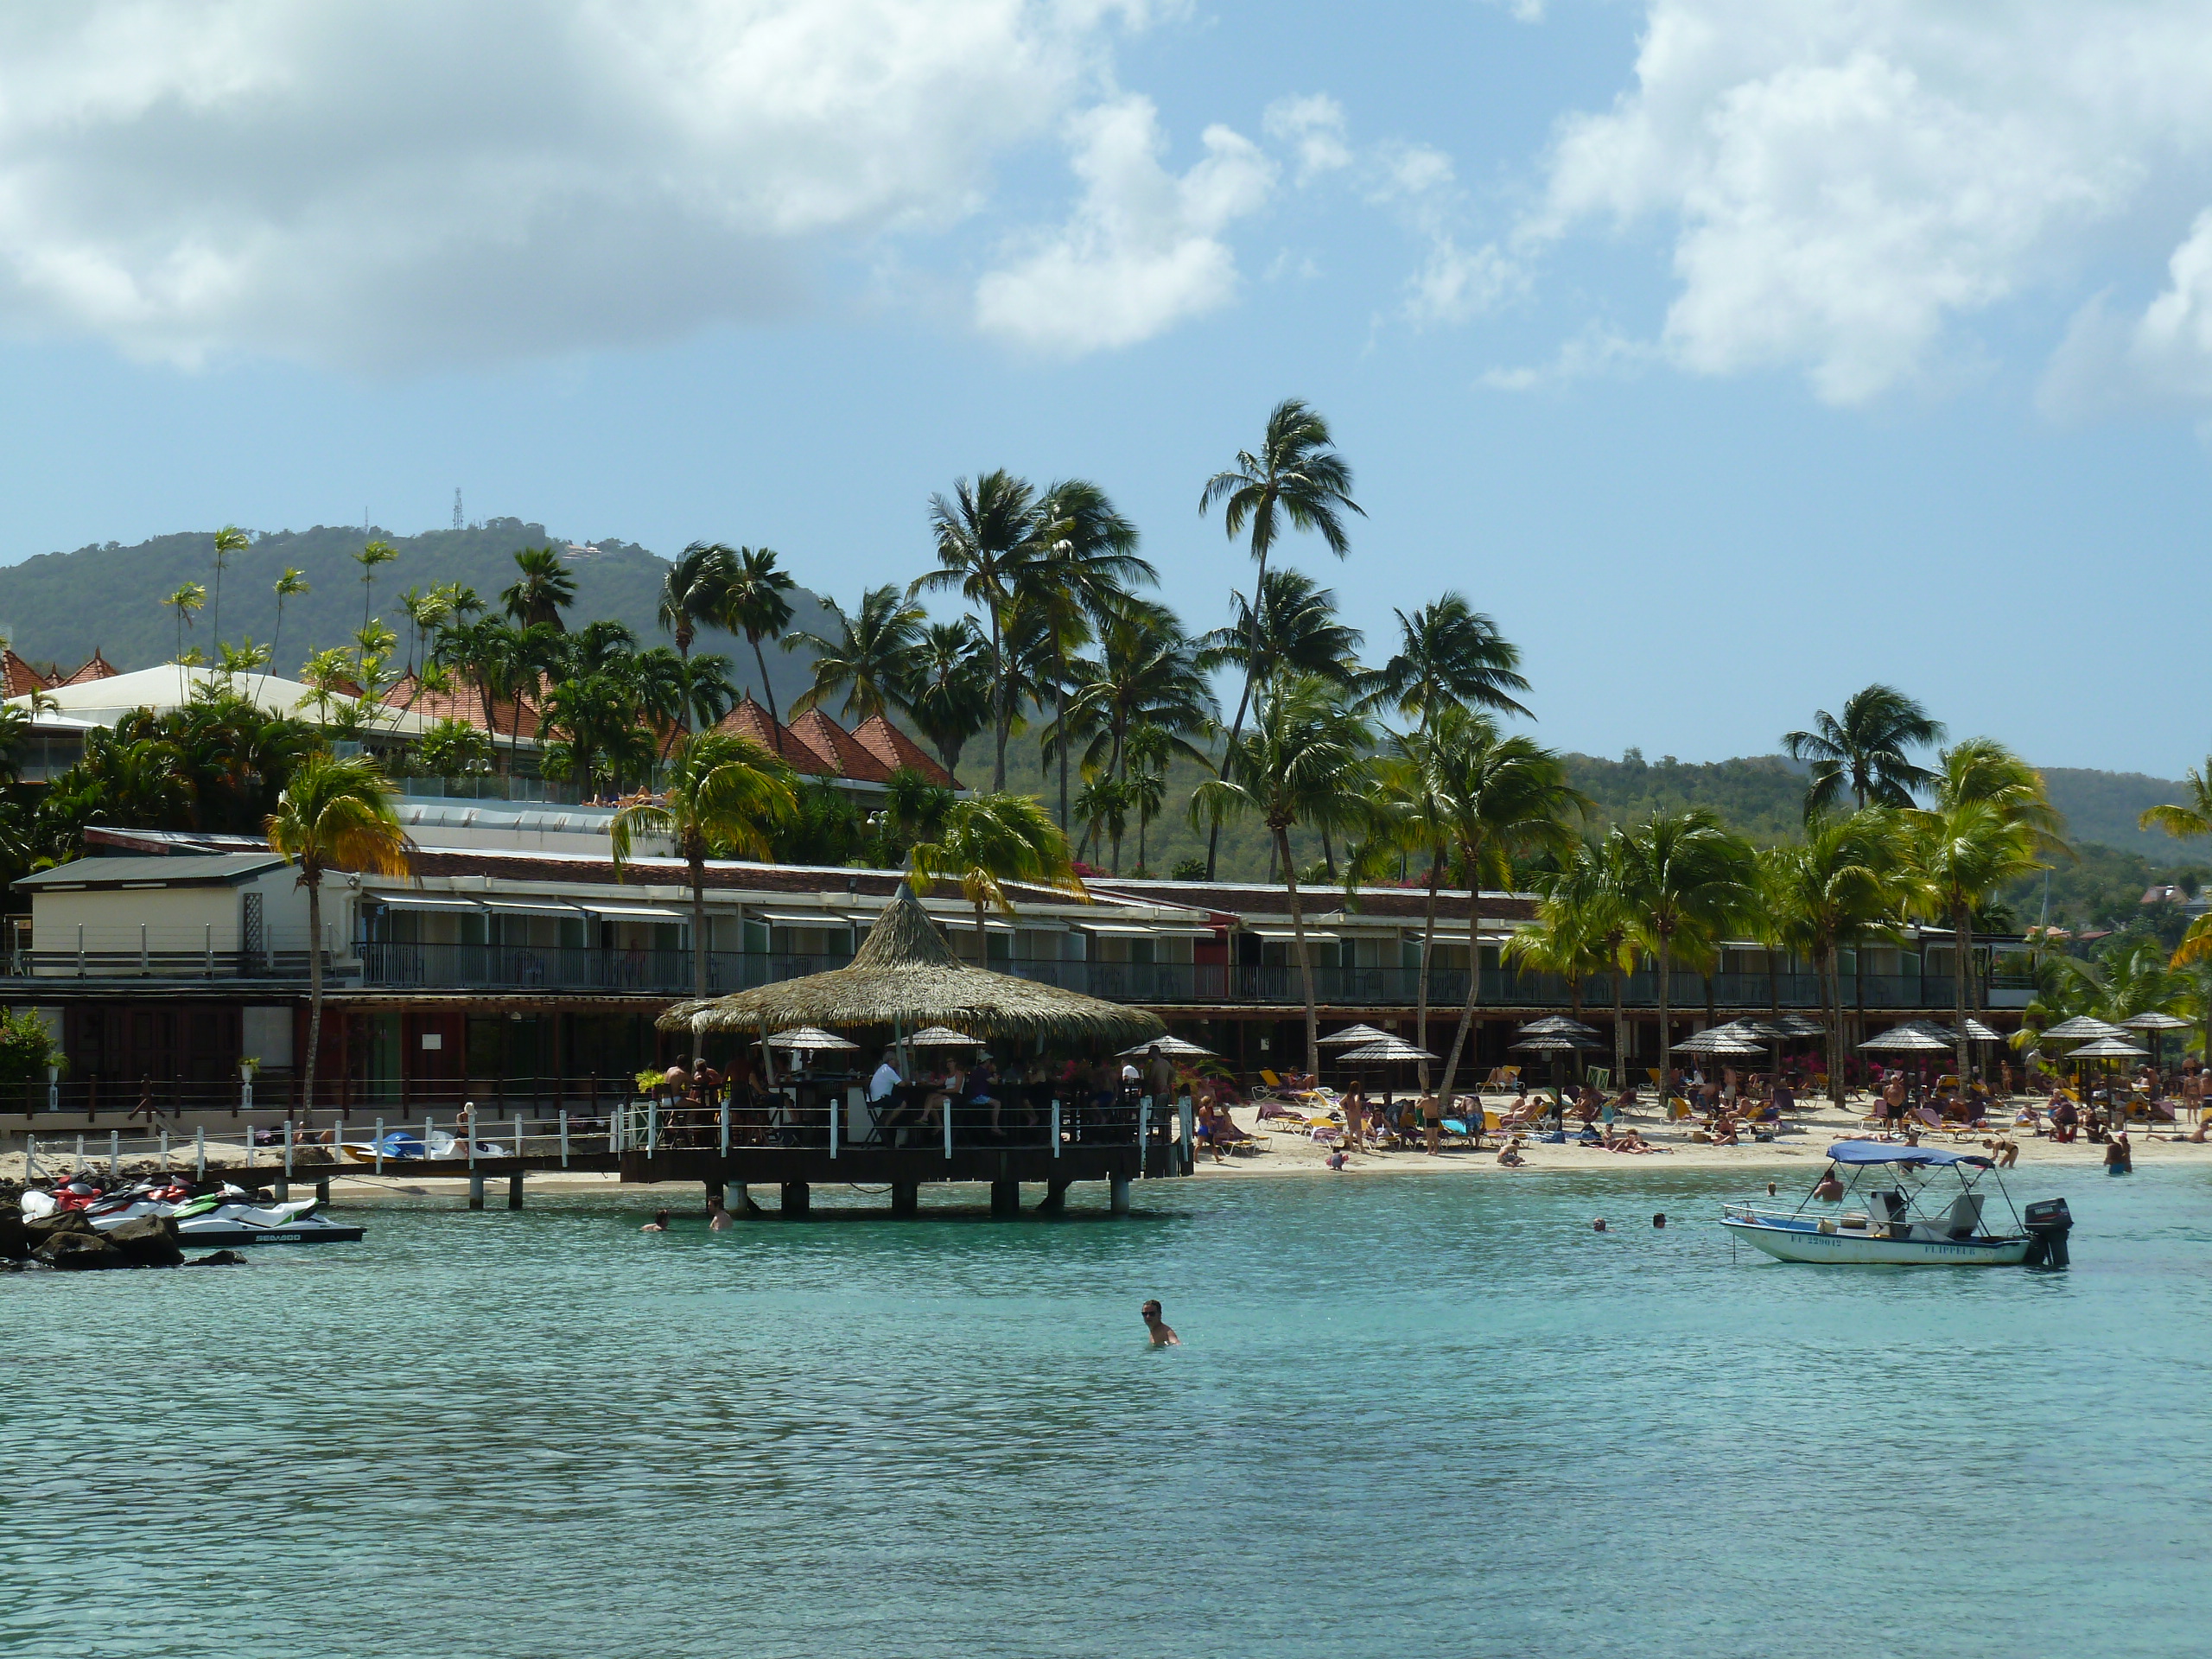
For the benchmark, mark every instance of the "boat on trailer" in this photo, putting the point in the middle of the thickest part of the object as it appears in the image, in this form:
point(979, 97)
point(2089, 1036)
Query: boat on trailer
point(1892, 1206)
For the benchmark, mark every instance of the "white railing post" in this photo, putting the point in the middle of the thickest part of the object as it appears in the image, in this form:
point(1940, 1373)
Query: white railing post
point(948, 1126)
point(52, 1087)
point(287, 1148)
point(564, 1137)
point(837, 1111)
point(114, 1153)
point(165, 1152)
point(1187, 1113)
point(208, 966)
point(1056, 1126)
point(725, 1117)
point(199, 1152)
point(1144, 1133)
point(653, 1128)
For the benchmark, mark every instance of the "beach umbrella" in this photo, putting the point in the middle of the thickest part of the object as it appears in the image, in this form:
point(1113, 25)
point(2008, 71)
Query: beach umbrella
point(2081, 1028)
point(1557, 1024)
point(1909, 1039)
point(939, 1036)
point(1173, 1047)
point(1802, 1024)
point(809, 1039)
point(2103, 1049)
point(2157, 1024)
point(1388, 1049)
point(1719, 1040)
point(1354, 1036)
point(1554, 1043)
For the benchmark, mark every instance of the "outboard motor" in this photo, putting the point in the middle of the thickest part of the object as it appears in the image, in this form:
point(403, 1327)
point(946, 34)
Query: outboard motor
point(2048, 1223)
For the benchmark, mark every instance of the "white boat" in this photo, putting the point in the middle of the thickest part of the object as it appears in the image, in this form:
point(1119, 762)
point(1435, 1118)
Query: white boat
point(1889, 1205)
point(211, 1220)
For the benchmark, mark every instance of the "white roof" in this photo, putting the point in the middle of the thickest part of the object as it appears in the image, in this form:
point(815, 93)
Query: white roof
point(170, 686)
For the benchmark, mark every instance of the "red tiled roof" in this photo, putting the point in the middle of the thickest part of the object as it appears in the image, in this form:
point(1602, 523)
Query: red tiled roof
point(825, 736)
point(18, 679)
point(462, 704)
point(96, 668)
point(895, 749)
point(750, 720)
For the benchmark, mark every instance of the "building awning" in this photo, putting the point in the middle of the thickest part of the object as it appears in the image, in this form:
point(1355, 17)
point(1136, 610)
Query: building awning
point(443, 903)
point(804, 919)
point(508, 906)
point(639, 913)
point(1276, 934)
point(1149, 930)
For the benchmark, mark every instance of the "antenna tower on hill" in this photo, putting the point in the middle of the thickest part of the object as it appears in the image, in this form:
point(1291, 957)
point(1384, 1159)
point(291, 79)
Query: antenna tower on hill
point(456, 506)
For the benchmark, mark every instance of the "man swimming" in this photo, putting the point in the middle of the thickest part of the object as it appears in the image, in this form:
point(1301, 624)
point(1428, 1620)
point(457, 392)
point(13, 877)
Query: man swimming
point(1163, 1334)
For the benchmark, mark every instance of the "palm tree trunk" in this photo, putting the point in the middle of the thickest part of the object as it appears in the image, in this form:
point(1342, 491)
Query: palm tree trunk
point(1428, 955)
point(768, 697)
point(1474, 987)
point(315, 981)
point(1062, 738)
point(1962, 920)
point(1305, 961)
point(1243, 699)
point(1001, 719)
point(1665, 962)
point(1620, 1020)
point(696, 858)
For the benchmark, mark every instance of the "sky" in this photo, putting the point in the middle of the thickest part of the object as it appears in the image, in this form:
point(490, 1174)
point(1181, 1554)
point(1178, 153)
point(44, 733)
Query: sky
point(1730, 353)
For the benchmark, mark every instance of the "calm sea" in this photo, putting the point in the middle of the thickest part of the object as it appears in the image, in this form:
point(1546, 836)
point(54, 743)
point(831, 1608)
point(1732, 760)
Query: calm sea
point(1410, 1417)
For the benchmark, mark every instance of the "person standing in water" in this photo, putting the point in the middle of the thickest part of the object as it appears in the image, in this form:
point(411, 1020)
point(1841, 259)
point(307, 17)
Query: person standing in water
point(657, 1224)
point(1163, 1334)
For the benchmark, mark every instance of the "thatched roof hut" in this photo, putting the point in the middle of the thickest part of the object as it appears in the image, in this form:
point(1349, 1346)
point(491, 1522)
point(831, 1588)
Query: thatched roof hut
point(905, 974)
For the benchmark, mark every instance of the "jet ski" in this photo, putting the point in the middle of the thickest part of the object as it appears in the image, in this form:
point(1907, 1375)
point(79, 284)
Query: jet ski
point(217, 1219)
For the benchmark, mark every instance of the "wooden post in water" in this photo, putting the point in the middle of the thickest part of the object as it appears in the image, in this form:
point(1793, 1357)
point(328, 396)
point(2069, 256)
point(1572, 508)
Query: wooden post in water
point(1005, 1200)
point(905, 1198)
point(798, 1199)
point(1055, 1199)
point(475, 1192)
point(1117, 1189)
point(514, 1191)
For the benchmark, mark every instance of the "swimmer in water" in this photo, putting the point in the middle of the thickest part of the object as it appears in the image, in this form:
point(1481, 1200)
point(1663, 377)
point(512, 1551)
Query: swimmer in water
point(717, 1216)
point(1163, 1334)
point(657, 1224)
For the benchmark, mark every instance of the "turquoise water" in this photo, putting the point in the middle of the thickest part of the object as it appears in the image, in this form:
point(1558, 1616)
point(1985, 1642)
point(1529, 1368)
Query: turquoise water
point(1411, 1415)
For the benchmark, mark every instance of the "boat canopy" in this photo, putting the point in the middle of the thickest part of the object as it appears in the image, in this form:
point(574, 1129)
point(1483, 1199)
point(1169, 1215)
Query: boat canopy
point(1874, 1152)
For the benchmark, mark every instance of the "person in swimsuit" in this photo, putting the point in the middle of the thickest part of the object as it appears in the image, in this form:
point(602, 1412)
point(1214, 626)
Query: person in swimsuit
point(1162, 1333)
point(657, 1224)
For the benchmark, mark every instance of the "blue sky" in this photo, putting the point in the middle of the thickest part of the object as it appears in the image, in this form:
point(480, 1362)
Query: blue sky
point(1732, 355)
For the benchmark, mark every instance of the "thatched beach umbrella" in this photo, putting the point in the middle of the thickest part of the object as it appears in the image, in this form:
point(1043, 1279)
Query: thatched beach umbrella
point(1354, 1036)
point(2154, 1025)
point(905, 974)
point(1386, 1050)
point(807, 1039)
point(938, 1037)
point(1175, 1048)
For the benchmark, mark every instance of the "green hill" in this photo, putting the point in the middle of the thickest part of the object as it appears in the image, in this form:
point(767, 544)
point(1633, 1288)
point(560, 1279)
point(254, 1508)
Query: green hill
point(58, 607)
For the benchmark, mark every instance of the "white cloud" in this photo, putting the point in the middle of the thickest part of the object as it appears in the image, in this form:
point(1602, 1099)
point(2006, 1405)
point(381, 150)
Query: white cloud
point(1845, 179)
point(396, 182)
point(1142, 251)
point(1594, 352)
point(1454, 284)
point(1313, 127)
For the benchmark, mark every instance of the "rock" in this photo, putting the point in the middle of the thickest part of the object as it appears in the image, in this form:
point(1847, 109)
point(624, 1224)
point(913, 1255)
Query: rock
point(149, 1241)
point(15, 1243)
point(39, 1228)
point(218, 1259)
point(80, 1252)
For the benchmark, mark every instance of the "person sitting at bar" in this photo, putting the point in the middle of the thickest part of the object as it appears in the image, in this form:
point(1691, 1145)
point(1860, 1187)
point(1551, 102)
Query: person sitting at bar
point(980, 1089)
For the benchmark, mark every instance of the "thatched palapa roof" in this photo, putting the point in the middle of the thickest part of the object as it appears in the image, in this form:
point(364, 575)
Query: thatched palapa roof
point(904, 973)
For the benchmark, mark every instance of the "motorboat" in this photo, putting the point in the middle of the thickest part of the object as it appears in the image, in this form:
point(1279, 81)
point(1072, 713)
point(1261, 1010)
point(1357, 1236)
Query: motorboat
point(399, 1145)
point(1900, 1206)
point(218, 1220)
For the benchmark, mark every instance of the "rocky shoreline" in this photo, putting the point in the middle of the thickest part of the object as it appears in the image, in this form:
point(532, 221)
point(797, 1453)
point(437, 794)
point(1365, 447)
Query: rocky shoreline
point(66, 1242)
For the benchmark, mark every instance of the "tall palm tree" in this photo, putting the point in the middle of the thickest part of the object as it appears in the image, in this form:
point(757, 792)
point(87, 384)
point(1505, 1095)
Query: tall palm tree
point(2185, 820)
point(544, 589)
point(426, 612)
point(1295, 630)
point(185, 603)
point(988, 535)
point(692, 591)
point(987, 841)
point(754, 605)
point(1864, 752)
point(1582, 929)
point(872, 661)
point(1304, 762)
point(1500, 797)
point(1145, 761)
point(1145, 673)
point(1296, 482)
point(293, 584)
point(333, 815)
point(1686, 879)
point(228, 540)
point(372, 557)
point(1836, 886)
point(1992, 822)
point(1089, 564)
point(724, 795)
point(1450, 653)
point(950, 700)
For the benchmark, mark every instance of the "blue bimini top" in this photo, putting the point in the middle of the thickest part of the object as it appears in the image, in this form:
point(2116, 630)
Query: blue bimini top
point(1874, 1151)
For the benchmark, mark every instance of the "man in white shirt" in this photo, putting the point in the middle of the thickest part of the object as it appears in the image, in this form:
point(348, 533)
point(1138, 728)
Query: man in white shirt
point(885, 1080)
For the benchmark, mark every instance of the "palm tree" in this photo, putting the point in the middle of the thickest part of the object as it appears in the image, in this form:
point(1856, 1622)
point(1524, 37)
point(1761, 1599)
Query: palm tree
point(293, 584)
point(1296, 630)
point(871, 662)
point(950, 700)
point(987, 841)
point(1500, 798)
point(426, 612)
point(333, 815)
point(754, 604)
point(1836, 886)
point(1297, 481)
point(692, 591)
point(1144, 761)
point(186, 603)
point(1088, 565)
point(1992, 824)
point(2185, 821)
point(724, 795)
point(1102, 809)
point(1147, 673)
point(1304, 762)
point(1685, 879)
point(228, 540)
point(987, 536)
point(372, 555)
point(544, 589)
point(1582, 929)
point(1450, 653)
point(1865, 751)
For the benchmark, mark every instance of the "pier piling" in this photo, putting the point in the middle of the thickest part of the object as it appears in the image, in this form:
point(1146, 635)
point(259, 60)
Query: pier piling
point(798, 1199)
point(905, 1198)
point(322, 1191)
point(1005, 1200)
point(1117, 1188)
point(514, 1191)
point(1055, 1199)
point(476, 1191)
